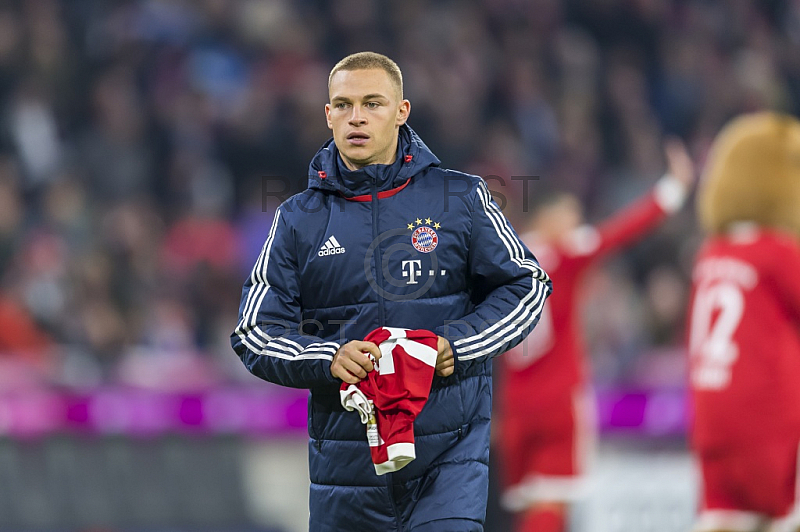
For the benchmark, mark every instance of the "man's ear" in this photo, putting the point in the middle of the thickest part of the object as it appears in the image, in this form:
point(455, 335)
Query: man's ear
point(328, 115)
point(402, 112)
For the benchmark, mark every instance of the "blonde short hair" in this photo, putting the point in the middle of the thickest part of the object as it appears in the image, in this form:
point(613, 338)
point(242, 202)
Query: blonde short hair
point(367, 61)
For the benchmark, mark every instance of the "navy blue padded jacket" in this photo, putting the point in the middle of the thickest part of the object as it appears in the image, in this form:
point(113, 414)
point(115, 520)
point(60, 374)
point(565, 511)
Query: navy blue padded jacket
point(402, 245)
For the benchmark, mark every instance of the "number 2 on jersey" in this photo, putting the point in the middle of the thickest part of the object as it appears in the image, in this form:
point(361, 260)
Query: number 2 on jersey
point(716, 314)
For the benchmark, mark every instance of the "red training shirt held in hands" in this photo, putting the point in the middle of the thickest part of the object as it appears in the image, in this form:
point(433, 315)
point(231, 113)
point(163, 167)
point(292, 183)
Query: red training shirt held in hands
point(391, 397)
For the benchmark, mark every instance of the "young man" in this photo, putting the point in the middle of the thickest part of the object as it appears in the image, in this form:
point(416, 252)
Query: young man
point(545, 424)
point(384, 237)
point(744, 337)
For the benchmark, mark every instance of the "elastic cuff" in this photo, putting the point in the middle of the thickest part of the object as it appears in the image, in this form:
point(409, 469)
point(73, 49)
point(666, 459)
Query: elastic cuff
point(670, 193)
point(402, 451)
point(327, 375)
point(399, 455)
point(327, 368)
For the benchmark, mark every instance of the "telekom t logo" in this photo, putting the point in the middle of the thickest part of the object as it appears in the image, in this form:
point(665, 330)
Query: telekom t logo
point(412, 269)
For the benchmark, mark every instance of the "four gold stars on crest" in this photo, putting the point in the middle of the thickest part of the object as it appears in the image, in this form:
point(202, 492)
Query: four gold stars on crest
point(428, 221)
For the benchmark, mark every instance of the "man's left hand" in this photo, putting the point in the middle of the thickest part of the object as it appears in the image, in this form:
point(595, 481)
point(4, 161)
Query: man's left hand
point(445, 363)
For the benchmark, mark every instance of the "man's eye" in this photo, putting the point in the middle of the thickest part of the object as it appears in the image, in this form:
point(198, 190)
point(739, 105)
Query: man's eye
point(340, 105)
point(372, 105)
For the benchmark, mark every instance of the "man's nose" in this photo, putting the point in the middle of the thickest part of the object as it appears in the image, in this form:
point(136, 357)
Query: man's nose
point(357, 117)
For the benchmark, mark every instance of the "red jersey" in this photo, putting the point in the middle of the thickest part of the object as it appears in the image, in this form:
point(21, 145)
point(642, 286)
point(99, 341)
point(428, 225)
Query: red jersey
point(391, 397)
point(550, 361)
point(744, 337)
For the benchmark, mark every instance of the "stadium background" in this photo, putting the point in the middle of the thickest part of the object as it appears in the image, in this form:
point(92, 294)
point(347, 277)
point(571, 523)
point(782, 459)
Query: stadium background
point(145, 144)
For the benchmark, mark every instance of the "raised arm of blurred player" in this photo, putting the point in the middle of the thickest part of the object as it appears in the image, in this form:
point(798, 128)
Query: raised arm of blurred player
point(587, 243)
point(548, 368)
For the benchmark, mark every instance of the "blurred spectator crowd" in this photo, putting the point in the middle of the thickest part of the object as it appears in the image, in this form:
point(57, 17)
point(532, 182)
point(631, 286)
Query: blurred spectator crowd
point(144, 144)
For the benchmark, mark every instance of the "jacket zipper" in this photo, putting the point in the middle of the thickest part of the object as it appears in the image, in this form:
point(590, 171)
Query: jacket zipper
point(377, 253)
point(390, 487)
point(382, 319)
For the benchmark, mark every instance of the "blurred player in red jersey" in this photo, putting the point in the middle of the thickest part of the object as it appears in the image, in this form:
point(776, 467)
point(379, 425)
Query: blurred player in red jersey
point(744, 328)
point(544, 414)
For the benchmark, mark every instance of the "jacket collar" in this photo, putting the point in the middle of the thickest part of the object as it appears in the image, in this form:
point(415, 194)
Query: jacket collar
point(328, 172)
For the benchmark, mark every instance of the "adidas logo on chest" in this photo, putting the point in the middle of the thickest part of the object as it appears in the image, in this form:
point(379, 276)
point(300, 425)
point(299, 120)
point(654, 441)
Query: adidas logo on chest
point(331, 247)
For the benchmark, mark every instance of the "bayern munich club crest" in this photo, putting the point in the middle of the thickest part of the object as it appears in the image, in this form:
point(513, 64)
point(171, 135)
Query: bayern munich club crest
point(424, 237)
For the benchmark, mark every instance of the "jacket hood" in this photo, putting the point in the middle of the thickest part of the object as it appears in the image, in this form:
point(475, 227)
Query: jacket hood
point(328, 172)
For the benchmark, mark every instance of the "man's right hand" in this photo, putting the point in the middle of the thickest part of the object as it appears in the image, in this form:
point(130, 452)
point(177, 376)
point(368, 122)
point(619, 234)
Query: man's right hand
point(680, 162)
point(351, 363)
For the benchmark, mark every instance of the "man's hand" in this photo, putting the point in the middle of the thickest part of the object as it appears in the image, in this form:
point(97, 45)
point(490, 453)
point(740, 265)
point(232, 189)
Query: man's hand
point(445, 363)
point(351, 363)
point(680, 162)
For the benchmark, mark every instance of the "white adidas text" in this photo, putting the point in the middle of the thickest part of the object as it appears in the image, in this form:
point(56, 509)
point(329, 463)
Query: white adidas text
point(331, 247)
